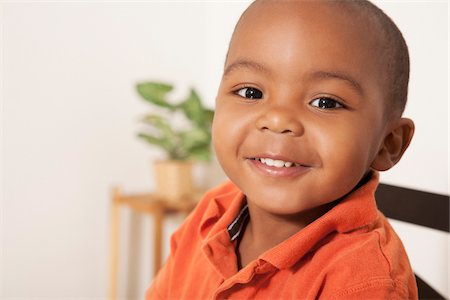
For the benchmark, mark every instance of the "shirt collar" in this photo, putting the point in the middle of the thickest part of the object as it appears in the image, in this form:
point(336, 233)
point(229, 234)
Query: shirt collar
point(355, 211)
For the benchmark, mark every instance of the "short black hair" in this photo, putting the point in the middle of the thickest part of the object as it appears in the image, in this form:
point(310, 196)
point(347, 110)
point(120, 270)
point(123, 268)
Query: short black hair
point(395, 54)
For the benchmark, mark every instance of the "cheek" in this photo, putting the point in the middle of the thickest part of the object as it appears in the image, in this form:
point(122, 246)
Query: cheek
point(227, 132)
point(345, 147)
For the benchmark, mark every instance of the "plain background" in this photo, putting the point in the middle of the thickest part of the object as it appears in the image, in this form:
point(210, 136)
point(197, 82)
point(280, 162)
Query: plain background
point(69, 116)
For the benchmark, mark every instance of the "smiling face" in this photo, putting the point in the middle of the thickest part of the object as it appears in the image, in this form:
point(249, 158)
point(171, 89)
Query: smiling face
point(299, 115)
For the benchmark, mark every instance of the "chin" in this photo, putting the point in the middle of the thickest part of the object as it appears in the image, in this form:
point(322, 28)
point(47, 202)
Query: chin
point(280, 204)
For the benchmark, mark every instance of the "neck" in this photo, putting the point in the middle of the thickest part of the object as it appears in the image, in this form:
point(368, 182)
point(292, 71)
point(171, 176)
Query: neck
point(265, 230)
point(268, 230)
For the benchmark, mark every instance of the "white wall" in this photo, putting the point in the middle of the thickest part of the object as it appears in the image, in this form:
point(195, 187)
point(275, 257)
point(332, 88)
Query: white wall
point(69, 115)
point(69, 119)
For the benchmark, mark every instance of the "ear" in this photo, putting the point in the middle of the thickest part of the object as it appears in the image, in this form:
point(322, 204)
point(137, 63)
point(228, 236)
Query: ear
point(394, 144)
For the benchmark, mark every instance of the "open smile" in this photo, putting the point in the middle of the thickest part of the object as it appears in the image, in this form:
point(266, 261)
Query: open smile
point(276, 167)
point(278, 163)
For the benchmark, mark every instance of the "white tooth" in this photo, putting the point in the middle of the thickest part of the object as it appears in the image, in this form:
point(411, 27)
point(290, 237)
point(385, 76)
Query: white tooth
point(278, 163)
point(288, 164)
point(269, 162)
point(263, 160)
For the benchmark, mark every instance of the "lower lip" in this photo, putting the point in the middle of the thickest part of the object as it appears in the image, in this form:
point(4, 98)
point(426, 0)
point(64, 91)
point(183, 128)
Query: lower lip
point(278, 172)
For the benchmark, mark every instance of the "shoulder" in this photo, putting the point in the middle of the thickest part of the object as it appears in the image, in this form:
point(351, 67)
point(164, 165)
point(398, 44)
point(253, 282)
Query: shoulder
point(186, 257)
point(369, 263)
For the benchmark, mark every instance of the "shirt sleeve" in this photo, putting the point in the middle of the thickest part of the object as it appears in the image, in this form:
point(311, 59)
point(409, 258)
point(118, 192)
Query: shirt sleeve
point(184, 240)
point(159, 287)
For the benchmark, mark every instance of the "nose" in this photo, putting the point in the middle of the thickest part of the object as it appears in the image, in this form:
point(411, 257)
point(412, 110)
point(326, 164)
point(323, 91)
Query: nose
point(280, 120)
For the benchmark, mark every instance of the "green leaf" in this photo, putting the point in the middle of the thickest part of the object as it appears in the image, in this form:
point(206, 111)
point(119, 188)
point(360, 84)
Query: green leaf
point(155, 92)
point(194, 138)
point(192, 143)
point(201, 154)
point(164, 143)
point(176, 155)
point(193, 109)
point(209, 116)
point(160, 124)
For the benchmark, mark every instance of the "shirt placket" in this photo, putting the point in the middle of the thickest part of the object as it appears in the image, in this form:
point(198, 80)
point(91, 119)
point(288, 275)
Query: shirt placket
point(245, 278)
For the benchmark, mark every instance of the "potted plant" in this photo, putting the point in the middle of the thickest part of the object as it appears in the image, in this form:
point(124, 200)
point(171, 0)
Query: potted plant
point(183, 146)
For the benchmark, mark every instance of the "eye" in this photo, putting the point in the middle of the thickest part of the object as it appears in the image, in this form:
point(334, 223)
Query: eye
point(249, 93)
point(326, 103)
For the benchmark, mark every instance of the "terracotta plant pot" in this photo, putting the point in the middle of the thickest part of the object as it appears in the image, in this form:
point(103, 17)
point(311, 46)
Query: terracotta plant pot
point(173, 179)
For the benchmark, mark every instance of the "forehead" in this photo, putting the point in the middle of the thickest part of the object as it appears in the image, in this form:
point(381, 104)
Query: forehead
point(306, 34)
point(320, 16)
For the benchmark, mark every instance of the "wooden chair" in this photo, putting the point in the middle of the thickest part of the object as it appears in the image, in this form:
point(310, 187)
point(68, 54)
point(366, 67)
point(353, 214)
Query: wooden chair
point(420, 208)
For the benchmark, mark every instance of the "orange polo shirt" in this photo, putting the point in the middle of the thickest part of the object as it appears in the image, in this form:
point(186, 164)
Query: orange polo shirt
point(351, 252)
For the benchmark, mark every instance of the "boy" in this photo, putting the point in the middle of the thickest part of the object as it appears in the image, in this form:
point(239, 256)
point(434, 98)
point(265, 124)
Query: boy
point(308, 111)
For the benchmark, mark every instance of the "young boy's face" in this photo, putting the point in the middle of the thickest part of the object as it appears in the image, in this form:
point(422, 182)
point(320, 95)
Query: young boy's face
point(300, 110)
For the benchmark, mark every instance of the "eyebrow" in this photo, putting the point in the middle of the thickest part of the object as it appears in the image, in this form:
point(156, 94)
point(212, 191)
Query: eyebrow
point(245, 64)
point(316, 75)
point(336, 75)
